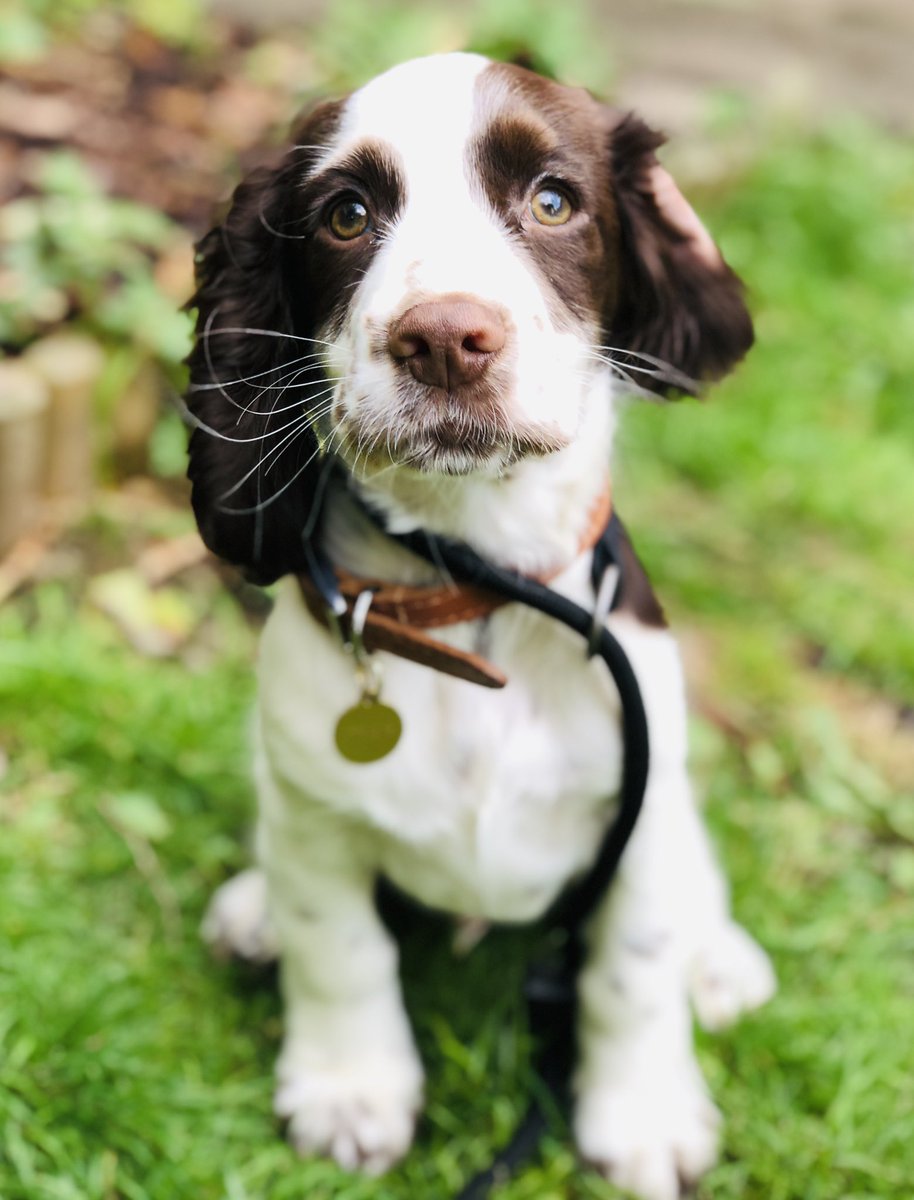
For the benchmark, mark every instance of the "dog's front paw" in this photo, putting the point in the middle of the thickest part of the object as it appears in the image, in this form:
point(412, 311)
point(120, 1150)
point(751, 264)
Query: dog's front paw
point(362, 1113)
point(731, 974)
point(651, 1134)
point(237, 921)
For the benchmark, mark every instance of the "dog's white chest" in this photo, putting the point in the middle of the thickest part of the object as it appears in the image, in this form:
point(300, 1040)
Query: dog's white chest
point(492, 799)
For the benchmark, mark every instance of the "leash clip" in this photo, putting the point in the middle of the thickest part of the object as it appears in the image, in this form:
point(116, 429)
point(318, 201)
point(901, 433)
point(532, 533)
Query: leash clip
point(367, 669)
point(353, 642)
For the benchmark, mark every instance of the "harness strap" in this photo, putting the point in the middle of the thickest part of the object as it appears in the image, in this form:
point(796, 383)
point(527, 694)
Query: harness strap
point(550, 988)
point(400, 613)
point(382, 632)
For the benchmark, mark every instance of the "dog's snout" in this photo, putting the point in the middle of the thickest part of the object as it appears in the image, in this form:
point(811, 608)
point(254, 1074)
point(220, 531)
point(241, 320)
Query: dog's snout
point(446, 343)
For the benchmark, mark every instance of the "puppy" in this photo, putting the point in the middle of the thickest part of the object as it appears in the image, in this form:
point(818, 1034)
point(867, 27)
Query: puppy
point(428, 306)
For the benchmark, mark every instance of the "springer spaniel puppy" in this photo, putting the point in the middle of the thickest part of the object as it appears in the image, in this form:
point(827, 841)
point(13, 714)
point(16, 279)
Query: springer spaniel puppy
point(435, 292)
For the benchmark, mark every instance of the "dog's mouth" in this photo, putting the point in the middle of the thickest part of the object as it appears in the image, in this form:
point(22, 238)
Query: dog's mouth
point(458, 432)
point(456, 442)
point(449, 450)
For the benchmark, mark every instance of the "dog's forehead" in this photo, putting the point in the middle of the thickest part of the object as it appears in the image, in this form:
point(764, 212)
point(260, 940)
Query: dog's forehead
point(419, 104)
point(426, 108)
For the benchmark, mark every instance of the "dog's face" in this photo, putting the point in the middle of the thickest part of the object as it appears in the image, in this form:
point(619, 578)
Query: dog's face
point(433, 278)
point(469, 237)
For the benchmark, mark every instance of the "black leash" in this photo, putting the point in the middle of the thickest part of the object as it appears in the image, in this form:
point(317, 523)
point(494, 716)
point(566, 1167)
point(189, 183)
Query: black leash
point(466, 566)
point(550, 988)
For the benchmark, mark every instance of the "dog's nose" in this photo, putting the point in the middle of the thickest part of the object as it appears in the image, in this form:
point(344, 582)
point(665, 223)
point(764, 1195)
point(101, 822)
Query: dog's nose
point(447, 342)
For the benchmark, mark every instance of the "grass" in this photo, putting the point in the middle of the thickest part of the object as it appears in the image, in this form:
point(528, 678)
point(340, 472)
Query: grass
point(776, 522)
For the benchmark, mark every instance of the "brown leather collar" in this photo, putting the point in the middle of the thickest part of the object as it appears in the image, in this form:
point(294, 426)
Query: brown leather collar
point(399, 612)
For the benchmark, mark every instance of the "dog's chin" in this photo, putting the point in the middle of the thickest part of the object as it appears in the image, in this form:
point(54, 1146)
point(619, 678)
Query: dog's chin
point(433, 458)
point(479, 447)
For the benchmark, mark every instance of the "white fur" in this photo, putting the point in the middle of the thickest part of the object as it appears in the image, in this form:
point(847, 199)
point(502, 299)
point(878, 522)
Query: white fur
point(493, 801)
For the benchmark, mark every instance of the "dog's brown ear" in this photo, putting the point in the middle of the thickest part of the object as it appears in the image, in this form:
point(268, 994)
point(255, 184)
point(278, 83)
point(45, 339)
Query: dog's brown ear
point(235, 396)
point(253, 455)
point(677, 300)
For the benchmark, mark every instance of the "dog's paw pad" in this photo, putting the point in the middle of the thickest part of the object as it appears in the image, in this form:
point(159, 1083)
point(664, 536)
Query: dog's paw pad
point(730, 975)
point(363, 1117)
point(651, 1137)
point(237, 922)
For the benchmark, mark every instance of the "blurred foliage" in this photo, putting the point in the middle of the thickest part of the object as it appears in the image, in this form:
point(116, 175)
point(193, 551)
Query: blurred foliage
point(802, 463)
point(556, 39)
point(27, 27)
point(70, 247)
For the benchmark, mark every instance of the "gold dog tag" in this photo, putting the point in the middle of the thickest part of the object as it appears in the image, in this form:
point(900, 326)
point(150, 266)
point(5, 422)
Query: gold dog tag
point(368, 731)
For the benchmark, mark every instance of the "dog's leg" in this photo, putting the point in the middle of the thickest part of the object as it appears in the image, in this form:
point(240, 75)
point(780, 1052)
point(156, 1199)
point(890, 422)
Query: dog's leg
point(349, 1078)
point(644, 1116)
point(237, 921)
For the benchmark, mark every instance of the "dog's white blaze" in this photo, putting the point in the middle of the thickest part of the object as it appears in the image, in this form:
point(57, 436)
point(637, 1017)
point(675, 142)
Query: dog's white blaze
point(447, 239)
point(424, 132)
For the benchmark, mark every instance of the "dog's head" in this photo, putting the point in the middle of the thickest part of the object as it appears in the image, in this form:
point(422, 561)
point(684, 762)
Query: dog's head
point(441, 274)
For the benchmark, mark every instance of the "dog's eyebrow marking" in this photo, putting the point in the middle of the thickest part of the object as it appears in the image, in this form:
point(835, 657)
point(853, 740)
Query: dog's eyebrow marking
point(528, 128)
point(372, 167)
point(510, 153)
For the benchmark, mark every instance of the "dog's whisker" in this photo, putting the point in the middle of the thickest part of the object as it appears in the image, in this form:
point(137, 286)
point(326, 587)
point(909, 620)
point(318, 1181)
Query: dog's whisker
point(279, 450)
point(642, 354)
point(258, 524)
point(303, 401)
point(365, 440)
point(291, 382)
point(322, 382)
point(289, 237)
point(242, 409)
point(633, 388)
point(249, 379)
point(317, 503)
point(264, 504)
point(661, 370)
point(275, 453)
point(207, 333)
point(273, 333)
point(662, 376)
point(305, 397)
point(197, 423)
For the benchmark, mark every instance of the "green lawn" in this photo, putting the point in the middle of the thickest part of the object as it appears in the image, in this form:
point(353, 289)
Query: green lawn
point(776, 520)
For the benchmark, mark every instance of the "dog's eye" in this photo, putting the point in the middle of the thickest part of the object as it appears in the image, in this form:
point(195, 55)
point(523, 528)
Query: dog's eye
point(550, 206)
point(348, 219)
